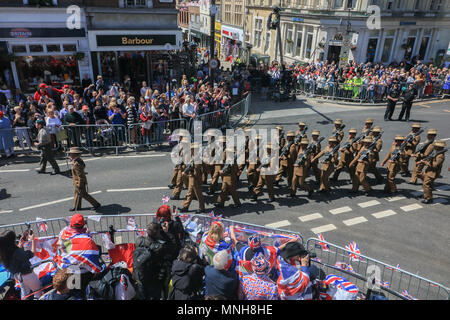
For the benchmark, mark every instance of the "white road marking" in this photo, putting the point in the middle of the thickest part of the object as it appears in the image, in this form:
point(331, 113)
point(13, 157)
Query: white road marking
point(368, 203)
point(353, 221)
point(411, 207)
point(310, 217)
point(136, 156)
point(14, 170)
point(279, 224)
point(340, 210)
point(137, 189)
point(6, 211)
point(383, 214)
point(53, 202)
point(392, 199)
point(325, 228)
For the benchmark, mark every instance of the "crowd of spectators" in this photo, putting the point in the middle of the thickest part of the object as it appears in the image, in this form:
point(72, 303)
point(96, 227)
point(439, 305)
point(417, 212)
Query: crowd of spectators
point(168, 264)
point(144, 111)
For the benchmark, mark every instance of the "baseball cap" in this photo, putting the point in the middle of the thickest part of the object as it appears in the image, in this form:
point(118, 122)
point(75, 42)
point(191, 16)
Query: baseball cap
point(77, 221)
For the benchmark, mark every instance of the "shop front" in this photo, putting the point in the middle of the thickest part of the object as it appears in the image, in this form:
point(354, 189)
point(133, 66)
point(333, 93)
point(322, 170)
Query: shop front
point(55, 56)
point(232, 40)
point(140, 55)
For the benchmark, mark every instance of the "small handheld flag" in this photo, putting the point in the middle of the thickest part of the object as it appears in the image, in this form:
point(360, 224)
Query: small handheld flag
point(165, 199)
point(353, 251)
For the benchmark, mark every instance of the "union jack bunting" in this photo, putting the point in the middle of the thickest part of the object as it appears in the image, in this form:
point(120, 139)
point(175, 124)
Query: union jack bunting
point(341, 283)
point(165, 199)
point(353, 251)
point(406, 294)
point(323, 245)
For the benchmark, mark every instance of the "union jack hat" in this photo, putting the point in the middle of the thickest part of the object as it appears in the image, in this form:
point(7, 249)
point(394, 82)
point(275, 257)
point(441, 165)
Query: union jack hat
point(254, 242)
point(260, 264)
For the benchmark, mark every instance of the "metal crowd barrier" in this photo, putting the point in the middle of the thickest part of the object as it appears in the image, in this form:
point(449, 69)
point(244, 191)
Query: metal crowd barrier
point(150, 133)
point(23, 138)
point(366, 93)
point(390, 280)
point(95, 136)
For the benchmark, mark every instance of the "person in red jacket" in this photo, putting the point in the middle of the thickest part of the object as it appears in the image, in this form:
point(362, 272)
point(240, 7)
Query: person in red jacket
point(44, 92)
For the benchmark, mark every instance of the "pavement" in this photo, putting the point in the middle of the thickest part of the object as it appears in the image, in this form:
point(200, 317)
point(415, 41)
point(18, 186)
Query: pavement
point(395, 230)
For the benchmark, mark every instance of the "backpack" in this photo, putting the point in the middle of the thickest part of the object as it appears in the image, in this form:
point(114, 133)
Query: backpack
point(145, 259)
point(110, 277)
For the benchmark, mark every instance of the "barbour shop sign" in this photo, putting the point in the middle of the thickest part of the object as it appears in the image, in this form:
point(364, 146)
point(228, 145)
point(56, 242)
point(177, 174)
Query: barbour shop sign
point(135, 40)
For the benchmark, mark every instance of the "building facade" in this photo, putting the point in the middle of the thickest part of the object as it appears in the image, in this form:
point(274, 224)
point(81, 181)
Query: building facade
point(317, 29)
point(232, 29)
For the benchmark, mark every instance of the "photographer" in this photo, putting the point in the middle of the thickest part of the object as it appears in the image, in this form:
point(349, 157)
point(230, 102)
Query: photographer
point(17, 260)
point(174, 227)
point(294, 284)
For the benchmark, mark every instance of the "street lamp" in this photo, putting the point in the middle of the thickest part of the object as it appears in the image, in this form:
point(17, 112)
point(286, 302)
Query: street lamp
point(273, 23)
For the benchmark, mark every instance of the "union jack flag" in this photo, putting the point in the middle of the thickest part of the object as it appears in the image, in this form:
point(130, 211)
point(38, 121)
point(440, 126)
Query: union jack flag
point(353, 251)
point(165, 199)
point(218, 217)
point(131, 223)
point(385, 284)
point(323, 245)
point(344, 266)
point(406, 294)
point(43, 227)
point(341, 283)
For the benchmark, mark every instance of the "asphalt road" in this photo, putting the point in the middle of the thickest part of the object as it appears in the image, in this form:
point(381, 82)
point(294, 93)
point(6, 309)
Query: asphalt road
point(396, 230)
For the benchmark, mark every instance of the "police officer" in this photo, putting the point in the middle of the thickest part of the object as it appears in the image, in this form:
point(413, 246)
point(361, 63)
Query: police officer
point(229, 176)
point(44, 144)
point(432, 171)
point(327, 166)
point(409, 150)
point(392, 99)
point(362, 166)
point(287, 159)
point(408, 97)
point(347, 156)
point(266, 176)
point(79, 181)
point(300, 171)
point(393, 166)
point(423, 152)
point(194, 172)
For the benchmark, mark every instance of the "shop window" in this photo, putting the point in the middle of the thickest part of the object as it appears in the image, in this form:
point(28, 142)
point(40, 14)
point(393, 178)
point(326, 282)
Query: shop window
point(36, 48)
point(136, 3)
point(69, 47)
point(298, 46)
point(53, 47)
point(19, 49)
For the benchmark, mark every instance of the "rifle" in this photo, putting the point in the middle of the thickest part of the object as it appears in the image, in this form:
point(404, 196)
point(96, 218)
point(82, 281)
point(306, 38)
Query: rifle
point(301, 160)
point(434, 154)
point(329, 154)
point(365, 154)
point(286, 148)
point(190, 167)
point(339, 131)
point(411, 136)
point(424, 147)
point(363, 135)
point(227, 167)
point(396, 153)
point(300, 135)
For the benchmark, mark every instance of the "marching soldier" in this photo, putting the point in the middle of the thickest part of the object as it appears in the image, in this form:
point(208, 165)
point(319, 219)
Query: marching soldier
point(393, 166)
point(265, 176)
point(287, 159)
point(194, 173)
point(242, 166)
point(301, 126)
point(44, 144)
point(328, 164)
point(347, 156)
point(313, 165)
point(208, 154)
point(337, 132)
point(432, 171)
point(300, 171)
point(229, 180)
point(423, 152)
point(215, 169)
point(367, 125)
point(410, 149)
point(79, 181)
point(375, 154)
point(178, 179)
point(281, 137)
point(362, 166)
point(252, 173)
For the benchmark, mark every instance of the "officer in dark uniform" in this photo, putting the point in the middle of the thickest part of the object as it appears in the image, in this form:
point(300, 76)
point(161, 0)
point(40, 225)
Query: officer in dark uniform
point(392, 99)
point(79, 181)
point(408, 97)
point(44, 144)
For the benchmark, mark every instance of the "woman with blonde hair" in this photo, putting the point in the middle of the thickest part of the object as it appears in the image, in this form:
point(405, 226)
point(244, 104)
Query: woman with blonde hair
point(214, 241)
